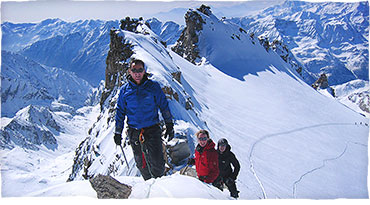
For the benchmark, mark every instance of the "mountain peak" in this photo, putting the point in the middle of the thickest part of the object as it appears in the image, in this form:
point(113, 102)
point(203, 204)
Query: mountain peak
point(32, 127)
point(205, 10)
point(186, 45)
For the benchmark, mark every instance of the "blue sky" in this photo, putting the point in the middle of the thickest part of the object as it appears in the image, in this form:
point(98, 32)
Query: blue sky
point(36, 11)
point(25, 11)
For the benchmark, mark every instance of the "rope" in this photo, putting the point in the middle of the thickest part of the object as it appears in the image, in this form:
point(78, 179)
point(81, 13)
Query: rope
point(145, 152)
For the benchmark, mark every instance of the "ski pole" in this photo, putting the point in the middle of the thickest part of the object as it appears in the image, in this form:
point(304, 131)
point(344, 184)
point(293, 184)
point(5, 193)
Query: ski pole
point(128, 167)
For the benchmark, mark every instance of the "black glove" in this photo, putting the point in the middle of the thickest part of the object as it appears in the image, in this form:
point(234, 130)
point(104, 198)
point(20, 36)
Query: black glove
point(170, 133)
point(117, 138)
point(191, 161)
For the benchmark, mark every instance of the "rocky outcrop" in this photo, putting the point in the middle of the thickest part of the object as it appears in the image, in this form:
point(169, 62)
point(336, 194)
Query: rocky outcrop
point(119, 55)
point(107, 187)
point(129, 24)
point(322, 82)
point(362, 99)
point(177, 76)
point(205, 9)
point(117, 60)
point(81, 161)
point(282, 50)
point(187, 45)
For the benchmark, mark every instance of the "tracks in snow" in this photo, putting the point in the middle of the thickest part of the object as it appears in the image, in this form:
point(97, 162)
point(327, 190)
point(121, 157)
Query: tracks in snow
point(289, 132)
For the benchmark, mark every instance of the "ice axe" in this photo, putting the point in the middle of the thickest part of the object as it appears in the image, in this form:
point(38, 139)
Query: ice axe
point(123, 152)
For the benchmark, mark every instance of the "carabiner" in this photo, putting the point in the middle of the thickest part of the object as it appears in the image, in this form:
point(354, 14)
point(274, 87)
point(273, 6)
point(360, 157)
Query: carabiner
point(141, 136)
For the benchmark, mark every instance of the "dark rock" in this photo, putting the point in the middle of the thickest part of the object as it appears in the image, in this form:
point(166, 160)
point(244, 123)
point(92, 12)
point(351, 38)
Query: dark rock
point(117, 60)
point(130, 24)
point(187, 44)
point(178, 151)
point(107, 187)
point(322, 82)
point(205, 9)
point(177, 76)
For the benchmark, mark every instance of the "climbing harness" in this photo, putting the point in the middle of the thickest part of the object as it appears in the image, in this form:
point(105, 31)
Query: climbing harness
point(145, 152)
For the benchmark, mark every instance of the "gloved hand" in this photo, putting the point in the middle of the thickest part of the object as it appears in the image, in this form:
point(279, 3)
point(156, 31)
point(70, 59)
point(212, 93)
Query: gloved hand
point(170, 133)
point(191, 161)
point(117, 138)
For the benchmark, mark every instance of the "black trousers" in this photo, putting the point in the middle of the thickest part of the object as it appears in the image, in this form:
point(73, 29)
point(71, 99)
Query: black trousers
point(230, 183)
point(149, 154)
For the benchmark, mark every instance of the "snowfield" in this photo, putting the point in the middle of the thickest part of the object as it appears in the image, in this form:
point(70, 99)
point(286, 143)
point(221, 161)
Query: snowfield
point(292, 141)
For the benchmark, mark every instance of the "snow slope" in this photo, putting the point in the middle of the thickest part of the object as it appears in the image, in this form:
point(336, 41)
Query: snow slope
point(291, 141)
point(288, 136)
point(25, 171)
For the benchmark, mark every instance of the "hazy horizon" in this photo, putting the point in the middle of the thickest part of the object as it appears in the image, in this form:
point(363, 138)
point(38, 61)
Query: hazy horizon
point(71, 11)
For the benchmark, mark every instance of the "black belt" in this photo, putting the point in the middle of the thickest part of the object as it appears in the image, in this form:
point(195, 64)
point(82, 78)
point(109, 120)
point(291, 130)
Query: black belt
point(144, 128)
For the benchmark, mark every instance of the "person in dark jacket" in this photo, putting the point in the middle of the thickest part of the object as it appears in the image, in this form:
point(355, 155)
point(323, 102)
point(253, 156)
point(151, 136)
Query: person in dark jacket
point(228, 174)
point(140, 99)
point(206, 158)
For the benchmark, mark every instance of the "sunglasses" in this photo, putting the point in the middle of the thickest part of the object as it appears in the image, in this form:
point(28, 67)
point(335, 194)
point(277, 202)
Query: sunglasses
point(202, 138)
point(139, 70)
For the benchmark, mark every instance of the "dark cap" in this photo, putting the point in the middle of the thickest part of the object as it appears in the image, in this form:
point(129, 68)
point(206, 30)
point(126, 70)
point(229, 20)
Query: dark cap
point(222, 141)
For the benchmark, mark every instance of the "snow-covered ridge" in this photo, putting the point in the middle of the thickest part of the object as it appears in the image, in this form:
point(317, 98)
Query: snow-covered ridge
point(291, 141)
point(98, 153)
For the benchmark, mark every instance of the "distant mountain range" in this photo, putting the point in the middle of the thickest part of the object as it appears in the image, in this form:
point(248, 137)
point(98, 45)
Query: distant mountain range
point(80, 47)
point(292, 141)
point(329, 37)
point(25, 82)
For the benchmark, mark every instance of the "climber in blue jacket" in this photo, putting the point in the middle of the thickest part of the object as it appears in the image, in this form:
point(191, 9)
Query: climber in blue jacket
point(140, 99)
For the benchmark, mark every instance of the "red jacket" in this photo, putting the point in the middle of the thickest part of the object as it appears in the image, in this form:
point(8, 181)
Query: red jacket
point(206, 162)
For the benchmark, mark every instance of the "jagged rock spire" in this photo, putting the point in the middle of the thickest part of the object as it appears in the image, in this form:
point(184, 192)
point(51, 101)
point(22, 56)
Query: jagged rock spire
point(205, 9)
point(187, 45)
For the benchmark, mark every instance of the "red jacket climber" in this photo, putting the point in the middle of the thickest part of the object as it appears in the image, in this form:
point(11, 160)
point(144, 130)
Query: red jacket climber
point(206, 158)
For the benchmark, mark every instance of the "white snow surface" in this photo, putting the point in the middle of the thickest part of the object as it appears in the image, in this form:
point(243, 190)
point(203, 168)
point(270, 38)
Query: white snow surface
point(291, 141)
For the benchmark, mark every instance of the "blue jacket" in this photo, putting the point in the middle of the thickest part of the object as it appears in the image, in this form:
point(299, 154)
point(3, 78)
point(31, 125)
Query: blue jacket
point(140, 103)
